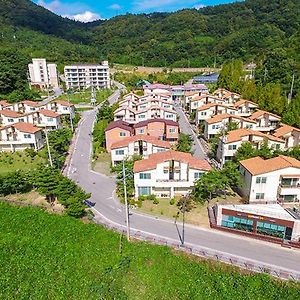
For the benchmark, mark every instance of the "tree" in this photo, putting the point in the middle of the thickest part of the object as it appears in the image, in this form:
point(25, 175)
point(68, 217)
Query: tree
point(185, 143)
point(14, 182)
point(245, 151)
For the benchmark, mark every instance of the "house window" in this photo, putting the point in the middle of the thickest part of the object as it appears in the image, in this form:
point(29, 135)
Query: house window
point(172, 130)
point(215, 127)
point(261, 179)
point(142, 131)
point(49, 119)
point(32, 108)
point(10, 120)
point(119, 152)
point(169, 116)
point(27, 136)
point(144, 190)
point(142, 116)
point(160, 149)
point(259, 196)
point(197, 175)
point(277, 146)
point(203, 113)
point(21, 120)
point(145, 175)
point(232, 147)
point(122, 133)
point(65, 108)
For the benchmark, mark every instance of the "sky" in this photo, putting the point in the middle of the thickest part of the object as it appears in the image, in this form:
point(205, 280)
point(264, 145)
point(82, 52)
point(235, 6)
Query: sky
point(90, 10)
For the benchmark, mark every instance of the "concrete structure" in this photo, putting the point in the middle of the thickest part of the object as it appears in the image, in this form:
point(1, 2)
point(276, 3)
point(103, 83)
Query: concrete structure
point(271, 180)
point(289, 134)
point(231, 142)
point(20, 136)
point(141, 145)
point(269, 220)
point(167, 174)
point(43, 75)
point(82, 76)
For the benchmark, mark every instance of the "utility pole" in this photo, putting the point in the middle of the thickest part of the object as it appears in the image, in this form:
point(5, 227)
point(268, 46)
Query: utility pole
point(183, 220)
point(126, 202)
point(291, 91)
point(265, 74)
point(71, 118)
point(48, 147)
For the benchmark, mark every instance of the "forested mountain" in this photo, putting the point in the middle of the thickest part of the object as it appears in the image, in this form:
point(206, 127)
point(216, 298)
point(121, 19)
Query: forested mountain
point(267, 32)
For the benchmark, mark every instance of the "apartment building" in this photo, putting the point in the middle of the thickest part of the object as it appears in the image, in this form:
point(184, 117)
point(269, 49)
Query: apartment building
point(271, 180)
point(167, 174)
point(289, 134)
point(142, 145)
point(214, 125)
point(232, 141)
point(82, 76)
point(43, 75)
point(20, 136)
point(265, 121)
point(260, 220)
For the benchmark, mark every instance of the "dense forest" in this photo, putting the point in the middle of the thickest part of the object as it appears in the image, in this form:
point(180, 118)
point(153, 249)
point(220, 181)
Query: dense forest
point(266, 32)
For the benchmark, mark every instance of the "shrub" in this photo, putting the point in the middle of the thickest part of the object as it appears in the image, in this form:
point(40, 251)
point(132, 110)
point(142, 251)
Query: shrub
point(151, 197)
point(142, 198)
point(155, 201)
point(172, 201)
point(139, 204)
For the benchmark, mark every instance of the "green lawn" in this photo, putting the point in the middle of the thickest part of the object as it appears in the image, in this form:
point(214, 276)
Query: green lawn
point(47, 256)
point(85, 96)
point(18, 161)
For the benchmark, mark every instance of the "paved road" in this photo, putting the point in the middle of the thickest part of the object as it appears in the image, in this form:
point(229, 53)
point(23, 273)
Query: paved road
point(102, 189)
point(57, 93)
point(185, 127)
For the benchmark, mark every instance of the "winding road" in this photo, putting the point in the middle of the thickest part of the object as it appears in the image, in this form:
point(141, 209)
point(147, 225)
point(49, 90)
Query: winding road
point(102, 189)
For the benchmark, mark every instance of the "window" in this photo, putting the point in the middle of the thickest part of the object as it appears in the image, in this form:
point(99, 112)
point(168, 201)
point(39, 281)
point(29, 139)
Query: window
point(27, 136)
point(172, 130)
point(144, 190)
point(203, 113)
point(122, 133)
point(160, 150)
point(32, 108)
point(142, 116)
point(215, 127)
point(119, 152)
point(142, 131)
point(10, 120)
point(50, 119)
point(145, 175)
point(21, 120)
point(277, 146)
point(259, 196)
point(261, 179)
point(65, 108)
point(169, 116)
point(197, 175)
point(232, 147)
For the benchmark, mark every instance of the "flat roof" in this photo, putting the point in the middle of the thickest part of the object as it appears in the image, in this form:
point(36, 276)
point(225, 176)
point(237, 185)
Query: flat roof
point(267, 210)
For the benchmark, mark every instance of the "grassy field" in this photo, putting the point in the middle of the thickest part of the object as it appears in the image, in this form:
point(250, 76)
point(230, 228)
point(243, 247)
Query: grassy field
point(85, 96)
point(197, 216)
point(48, 256)
point(18, 161)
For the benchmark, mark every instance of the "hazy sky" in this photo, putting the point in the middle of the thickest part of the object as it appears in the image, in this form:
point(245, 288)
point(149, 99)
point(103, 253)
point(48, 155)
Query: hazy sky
point(89, 10)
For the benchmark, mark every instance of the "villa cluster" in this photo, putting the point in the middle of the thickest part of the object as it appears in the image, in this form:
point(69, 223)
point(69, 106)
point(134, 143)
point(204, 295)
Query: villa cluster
point(21, 123)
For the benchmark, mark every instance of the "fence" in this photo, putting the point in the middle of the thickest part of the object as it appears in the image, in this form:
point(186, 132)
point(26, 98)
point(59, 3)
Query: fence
point(247, 264)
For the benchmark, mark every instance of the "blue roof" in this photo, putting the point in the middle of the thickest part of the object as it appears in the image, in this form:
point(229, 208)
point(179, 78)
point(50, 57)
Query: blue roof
point(210, 78)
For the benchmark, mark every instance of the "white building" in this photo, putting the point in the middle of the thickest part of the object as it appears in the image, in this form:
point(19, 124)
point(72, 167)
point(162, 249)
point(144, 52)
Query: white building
point(43, 75)
point(142, 145)
point(61, 107)
point(167, 174)
point(245, 107)
point(45, 118)
point(271, 180)
point(232, 141)
point(8, 117)
point(289, 134)
point(265, 121)
point(20, 136)
point(84, 76)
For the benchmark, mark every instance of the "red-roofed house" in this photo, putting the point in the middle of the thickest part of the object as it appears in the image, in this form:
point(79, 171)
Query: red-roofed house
point(167, 174)
point(45, 118)
point(20, 136)
point(290, 134)
point(61, 107)
point(265, 121)
point(8, 117)
point(142, 145)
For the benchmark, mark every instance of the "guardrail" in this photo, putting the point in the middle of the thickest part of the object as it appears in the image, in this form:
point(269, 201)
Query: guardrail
point(247, 264)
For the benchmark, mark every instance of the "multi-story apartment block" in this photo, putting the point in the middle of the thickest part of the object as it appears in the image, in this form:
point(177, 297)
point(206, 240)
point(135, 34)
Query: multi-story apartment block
point(271, 180)
point(43, 75)
point(167, 174)
point(84, 76)
point(20, 136)
point(142, 145)
point(231, 142)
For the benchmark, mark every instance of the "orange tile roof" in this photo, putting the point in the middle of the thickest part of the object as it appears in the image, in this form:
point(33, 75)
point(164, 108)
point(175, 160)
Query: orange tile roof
point(10, 113)
point(236, 135)
point(49, 113)
point(284, 129)
point(258, 165)
point(209, 105)
point(4, 103)
point(26, 127)
point(219, 118)
point(63, 103)
point(243, 101)
point(31, 103)
point(140, 137)
point(156, 158)
point(260, 113)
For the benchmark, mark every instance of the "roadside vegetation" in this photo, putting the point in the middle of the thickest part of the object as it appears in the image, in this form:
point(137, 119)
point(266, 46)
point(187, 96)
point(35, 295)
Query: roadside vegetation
point(73, 260)
point(185, 143)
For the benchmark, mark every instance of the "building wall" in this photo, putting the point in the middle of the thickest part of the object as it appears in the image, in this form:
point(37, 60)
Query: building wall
point(113, 135)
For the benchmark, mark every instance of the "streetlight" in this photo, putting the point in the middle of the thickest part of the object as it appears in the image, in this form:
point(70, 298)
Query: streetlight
point(48, 147)
point(71, 118)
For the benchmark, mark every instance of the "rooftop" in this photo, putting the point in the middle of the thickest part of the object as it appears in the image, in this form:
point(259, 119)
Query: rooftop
point(119, 124)
point(147, 138)
point(258, 165)
point(49, 113)
point(166, 122)
point(31, 103)
point(284, 129)
point(26, 127)
point(260, 113)
point(10, 113)
point(156, 158)
point(244, 101)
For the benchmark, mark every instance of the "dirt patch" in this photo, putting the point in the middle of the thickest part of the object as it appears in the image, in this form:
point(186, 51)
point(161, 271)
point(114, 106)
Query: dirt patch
point(102, 164)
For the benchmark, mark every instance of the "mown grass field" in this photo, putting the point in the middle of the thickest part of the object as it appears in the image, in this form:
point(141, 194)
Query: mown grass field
point(44, 256)
point(10, 162)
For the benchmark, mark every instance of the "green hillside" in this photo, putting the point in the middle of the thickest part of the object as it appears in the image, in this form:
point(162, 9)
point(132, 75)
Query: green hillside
point(45, 256)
